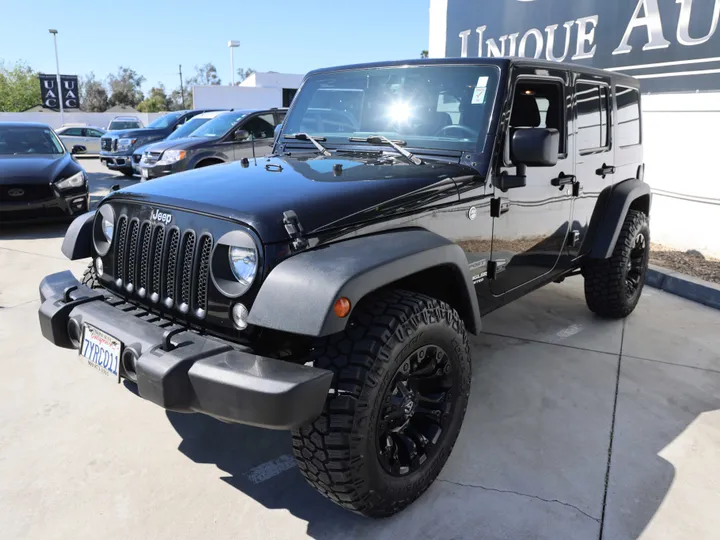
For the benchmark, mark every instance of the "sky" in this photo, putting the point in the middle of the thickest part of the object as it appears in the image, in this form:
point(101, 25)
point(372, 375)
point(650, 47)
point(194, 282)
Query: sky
point(154, 36)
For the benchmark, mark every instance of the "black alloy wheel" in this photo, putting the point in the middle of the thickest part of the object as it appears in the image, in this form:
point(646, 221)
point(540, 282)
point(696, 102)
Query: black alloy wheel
point(416, 411)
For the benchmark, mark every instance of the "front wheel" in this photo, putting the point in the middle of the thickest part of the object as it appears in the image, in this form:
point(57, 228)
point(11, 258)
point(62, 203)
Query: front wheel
point(613, 286)
point(398, 398)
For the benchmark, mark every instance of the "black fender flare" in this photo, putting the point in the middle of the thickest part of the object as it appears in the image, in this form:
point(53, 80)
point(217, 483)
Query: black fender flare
point(610, 212)
point(299, 293)
point(78, 238)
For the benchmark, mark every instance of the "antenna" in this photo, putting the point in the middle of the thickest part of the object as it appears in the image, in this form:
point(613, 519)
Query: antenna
point(252, 135)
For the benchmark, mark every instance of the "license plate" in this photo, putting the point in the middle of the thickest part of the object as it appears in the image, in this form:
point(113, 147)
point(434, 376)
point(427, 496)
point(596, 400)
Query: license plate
point(101, 351)
point(145, 173)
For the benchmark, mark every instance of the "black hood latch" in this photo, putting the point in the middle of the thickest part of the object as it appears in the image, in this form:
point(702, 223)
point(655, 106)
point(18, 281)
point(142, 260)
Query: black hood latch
point(295, 230)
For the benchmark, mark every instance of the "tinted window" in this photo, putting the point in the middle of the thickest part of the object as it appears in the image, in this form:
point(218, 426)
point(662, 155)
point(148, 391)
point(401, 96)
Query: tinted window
point(165, 121)
point(592, 112)
point(262, 126)
point(399, 103)
point(93, 133)
point(122, 124)
point(628, 116)
point(539, 104)
point(187, 128)
point(28, 140)
point(219, 126)
point(72, 132)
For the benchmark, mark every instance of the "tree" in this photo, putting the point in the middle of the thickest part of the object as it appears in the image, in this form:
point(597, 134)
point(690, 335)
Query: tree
point(157, 100)
point(176, 100)
point(125, 87)
point(424, 54)
point(19, 87)
point(205, 75)
point(243, 74)
point(93, 96)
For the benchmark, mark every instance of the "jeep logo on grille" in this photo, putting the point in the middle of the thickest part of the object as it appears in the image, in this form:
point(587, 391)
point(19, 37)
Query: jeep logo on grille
point(162, 217)
point(17, 192)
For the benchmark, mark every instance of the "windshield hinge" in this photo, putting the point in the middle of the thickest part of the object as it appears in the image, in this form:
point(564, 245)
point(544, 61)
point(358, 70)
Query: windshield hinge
point(295, 230)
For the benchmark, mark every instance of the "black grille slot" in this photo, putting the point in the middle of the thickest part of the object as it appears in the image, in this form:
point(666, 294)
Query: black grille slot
point(106, 143)
point(203, 274)
point(132, 255)
point(157, 260)
point(187, 268)
point(144, 258)
point(120, 253)
point(164, 265)
point(172, 257)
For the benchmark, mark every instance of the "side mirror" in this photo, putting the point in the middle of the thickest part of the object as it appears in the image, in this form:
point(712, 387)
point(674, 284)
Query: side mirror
point(78, 149)
point(535, 147)
point(241, 135)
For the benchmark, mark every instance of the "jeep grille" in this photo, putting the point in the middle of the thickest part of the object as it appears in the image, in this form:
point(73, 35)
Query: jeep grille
point(164, 265)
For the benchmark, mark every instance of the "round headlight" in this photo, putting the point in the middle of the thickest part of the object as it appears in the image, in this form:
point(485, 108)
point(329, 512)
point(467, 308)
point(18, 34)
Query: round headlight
point(107, 229)
point(243, 263)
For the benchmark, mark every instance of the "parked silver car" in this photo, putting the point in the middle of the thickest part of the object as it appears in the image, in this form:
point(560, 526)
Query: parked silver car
point(87, 136)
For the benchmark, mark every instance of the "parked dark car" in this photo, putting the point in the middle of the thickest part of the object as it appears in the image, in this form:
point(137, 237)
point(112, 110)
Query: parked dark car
point(117, 147)
point(39, 178)
point(180, 133)
point(230, 136)
point(329, 288)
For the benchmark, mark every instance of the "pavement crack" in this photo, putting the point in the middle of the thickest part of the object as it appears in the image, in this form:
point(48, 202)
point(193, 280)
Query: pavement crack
point(552, 501)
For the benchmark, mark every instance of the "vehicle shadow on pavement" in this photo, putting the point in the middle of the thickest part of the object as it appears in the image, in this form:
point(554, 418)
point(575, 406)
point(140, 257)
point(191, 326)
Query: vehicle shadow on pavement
point(259, 463)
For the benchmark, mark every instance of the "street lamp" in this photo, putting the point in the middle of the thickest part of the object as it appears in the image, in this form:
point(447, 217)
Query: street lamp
point(232, 44)
point(59, 88)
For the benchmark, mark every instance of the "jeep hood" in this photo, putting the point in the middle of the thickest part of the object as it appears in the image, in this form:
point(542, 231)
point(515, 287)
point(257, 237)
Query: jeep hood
point(323, 197)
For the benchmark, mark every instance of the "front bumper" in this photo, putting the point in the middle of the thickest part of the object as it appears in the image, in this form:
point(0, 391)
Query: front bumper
point(148, 171)
point(59, 207)
point(181, 370)
point(117, 162)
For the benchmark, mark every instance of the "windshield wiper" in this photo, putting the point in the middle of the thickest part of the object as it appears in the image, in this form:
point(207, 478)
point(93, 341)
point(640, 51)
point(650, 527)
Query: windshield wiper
point(305, 137)
point(381, 139)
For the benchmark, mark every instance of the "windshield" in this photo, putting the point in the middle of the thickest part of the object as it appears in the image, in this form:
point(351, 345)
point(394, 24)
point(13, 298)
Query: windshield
point(122, 124)
point(438, 107)
point(219, 126)
point(28, 140)
point(187, 128)
point(165, 121)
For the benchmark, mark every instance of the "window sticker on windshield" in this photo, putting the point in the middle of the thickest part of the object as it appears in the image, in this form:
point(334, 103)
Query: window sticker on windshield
point(480, 90)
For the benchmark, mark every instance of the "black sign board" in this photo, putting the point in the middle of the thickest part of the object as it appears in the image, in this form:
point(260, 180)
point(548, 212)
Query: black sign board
point(671, 45)
point(69, 88)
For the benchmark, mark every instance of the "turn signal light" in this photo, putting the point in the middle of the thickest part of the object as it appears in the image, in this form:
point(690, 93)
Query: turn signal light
point(342, 307)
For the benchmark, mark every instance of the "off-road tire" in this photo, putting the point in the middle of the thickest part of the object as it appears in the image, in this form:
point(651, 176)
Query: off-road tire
point(337, 454)
point(90, 278)
point(606, 287)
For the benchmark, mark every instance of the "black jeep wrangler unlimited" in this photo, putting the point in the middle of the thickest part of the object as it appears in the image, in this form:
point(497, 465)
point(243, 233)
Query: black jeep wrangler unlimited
point(328, 288)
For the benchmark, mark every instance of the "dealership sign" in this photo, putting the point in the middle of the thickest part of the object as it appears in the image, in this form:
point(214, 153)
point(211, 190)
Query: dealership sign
point(673, 45)
point(69, 91)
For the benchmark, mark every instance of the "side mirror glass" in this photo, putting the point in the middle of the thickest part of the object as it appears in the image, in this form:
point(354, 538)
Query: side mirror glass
point(535, 147)
point(241, 135)
point(78, 149)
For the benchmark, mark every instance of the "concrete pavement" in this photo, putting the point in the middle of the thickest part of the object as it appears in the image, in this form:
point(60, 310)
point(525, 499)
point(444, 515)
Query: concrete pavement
point(576, 428)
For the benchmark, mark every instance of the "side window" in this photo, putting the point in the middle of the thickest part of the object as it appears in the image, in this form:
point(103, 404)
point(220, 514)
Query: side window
point(628, 116)
point(261, 126)
point(540, 104)
point(73, 132)
point(592, 117)
point(93, 133)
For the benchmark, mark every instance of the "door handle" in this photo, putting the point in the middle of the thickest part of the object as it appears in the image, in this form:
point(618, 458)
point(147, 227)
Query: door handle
point(563, 180)
point(605, 170)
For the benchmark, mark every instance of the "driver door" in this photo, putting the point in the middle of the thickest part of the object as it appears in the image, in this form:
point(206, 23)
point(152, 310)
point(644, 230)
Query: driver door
point(531, 223)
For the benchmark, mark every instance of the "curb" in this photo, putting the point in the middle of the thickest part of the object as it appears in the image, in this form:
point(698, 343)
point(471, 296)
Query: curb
point(697, 290)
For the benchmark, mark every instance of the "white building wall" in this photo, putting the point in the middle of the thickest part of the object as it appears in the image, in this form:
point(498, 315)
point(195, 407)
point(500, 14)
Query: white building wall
point(53, 118)
point(274, 80)
point(236, 97)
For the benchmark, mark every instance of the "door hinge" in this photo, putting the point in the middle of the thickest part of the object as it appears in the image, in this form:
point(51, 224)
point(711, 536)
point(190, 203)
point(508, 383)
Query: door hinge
point(491, 270)
point(498, 207)
point(295, 230)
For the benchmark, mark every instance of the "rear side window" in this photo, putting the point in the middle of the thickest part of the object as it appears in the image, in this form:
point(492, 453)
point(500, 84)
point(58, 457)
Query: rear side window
point(628, 116)
point(73, 132)
point(592, 117)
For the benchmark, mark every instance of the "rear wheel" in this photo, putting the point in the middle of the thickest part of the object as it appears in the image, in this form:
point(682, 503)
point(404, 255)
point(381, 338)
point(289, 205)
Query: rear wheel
point(613, 286)
point(400, 390)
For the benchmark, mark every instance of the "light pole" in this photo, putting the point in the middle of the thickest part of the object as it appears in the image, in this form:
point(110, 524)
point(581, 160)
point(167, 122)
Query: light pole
point(59, 88)
point(232, 44)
